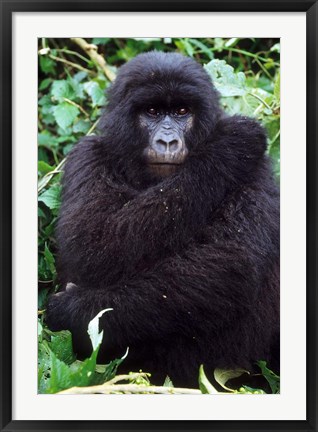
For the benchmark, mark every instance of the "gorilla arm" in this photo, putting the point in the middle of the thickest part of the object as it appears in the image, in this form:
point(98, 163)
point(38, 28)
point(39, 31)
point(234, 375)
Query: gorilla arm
point(199, 286)
point(107, 229)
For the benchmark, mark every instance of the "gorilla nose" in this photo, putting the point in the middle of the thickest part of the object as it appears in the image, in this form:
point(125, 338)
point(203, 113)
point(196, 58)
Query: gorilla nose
point(166, 144)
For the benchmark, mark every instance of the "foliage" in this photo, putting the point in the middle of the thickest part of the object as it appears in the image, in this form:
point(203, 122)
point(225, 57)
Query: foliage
point(72, 86)
point(223, 378)
point(57, 368)
point(270, 376)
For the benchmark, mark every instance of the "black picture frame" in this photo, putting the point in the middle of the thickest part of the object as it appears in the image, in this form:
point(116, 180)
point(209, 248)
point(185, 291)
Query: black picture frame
point(7, 9)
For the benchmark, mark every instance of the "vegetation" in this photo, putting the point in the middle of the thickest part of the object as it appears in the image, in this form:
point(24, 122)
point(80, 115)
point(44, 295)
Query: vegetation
point(73, 77)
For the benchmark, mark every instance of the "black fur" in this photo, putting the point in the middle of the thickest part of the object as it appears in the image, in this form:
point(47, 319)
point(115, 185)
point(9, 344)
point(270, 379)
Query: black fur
point(189, 264)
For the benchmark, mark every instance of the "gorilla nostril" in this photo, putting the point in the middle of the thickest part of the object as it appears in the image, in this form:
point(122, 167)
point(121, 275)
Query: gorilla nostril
point(173, 145)
point(161, 145)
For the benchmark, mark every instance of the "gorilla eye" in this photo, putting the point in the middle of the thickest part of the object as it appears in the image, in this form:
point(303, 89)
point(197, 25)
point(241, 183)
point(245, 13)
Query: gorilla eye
point(153, 111)
point(182, 111)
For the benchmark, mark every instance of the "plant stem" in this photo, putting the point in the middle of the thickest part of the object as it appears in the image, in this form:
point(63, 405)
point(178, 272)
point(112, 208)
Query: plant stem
point(64, 50)
point(47, 177)
point(99, 60)
point(129, 389)
point(260, 99)
point(76, 105)
point(74, 65)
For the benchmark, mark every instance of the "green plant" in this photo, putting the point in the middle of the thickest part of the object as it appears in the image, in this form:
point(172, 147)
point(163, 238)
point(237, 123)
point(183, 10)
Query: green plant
point(73, 77)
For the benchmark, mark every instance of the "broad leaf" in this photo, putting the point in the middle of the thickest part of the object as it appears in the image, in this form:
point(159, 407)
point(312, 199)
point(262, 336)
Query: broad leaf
point(95, 92)
point(61, 345)
point(204, 384)
point(65, 114)
point(44, 168)
point(222, 376)
point(226, 81)
point(61, 89)
point(271, 377)
point(93, 330)
point(49, 258)
point(52, 197)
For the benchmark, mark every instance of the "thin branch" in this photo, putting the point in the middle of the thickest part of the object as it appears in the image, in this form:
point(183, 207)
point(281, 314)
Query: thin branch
point(99, 60)
point(130, 377)
point(264, 70)
point(74, 53)
point(249, 54)
point(260, 99)
point(47, 177)
point(93, 127)
point(76, 105)
point(129, 389)
point(74, 65)
point(273, 140)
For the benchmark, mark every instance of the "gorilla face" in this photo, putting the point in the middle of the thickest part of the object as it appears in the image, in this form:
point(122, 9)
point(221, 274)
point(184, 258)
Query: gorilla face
point(165, 127)
point(161, 108)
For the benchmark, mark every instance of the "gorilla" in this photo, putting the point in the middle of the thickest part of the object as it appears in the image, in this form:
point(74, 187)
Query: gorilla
point(171, 217)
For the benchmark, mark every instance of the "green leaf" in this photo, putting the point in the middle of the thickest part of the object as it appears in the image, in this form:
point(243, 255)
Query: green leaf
point(168, 382)
point(44, 364)
point(45, 100)
point(219, 43)
point(100, 41)
point(272, 379)
point(185, 46)
point(246, 389)
point(231, 42)
point(61, 89)
point(203, 48)
point(52, 197)
point(82, 126)
point(77, 88)
point(67, 148)
point(226, 81)
point(60, 375)
point(57, 371)
point(110, 370)
point(47, 65)
point(61, 345)
point(85, 375)
point(147, 39)
point(49, 258)
point(277, 87)
point(40, 329)
point(275, 48)
point(93, 329)
point(44, 168)
point(79, 76)
point(46, 139)
point(65, 114)
point(41, 213)
point(45, 83)
point(222, 376)
point(42, 298)
point(272, 125)
point(274, 152)
point(95, 92)
point(204, 384)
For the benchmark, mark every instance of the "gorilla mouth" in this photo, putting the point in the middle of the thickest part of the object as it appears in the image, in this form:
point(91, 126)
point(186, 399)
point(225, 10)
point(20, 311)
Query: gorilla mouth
point(163, 169)
point(164, 163)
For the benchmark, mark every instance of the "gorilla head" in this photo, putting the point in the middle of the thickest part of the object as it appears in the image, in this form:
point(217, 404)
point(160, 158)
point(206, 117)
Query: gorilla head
point(162, 109)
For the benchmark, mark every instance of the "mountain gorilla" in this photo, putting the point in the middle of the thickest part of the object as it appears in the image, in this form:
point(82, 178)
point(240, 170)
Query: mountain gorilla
point(171, 218)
